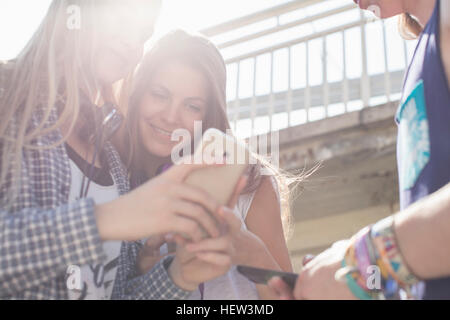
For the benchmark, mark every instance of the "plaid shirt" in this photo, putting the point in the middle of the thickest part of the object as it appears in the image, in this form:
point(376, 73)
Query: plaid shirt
point(41, 234)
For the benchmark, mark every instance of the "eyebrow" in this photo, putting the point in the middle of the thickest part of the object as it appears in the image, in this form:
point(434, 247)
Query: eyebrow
point(160, 86)
point(196, 98)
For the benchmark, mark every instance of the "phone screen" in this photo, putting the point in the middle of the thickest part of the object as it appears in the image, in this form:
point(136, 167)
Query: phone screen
point(262, 276)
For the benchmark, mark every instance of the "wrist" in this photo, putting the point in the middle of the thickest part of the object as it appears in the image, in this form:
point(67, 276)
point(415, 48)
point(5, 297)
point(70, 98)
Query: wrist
point(103, 223)
point(260, 257)
point(107, 216)
point(176, 275)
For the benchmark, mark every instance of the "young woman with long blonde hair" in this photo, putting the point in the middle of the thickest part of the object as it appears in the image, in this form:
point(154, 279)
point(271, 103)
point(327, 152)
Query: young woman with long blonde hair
point(61, 179)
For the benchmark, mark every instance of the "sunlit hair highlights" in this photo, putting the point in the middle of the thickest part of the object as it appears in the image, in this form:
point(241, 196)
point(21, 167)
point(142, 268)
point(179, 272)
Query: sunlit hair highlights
point(198, 52)
point(409, 27)
point(55, 64)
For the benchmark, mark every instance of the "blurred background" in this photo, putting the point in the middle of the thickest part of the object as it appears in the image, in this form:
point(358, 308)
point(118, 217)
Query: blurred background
point(324, 75)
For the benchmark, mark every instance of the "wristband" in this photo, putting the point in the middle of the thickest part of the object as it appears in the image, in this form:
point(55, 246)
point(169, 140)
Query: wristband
point(356, 290)
point(383, 236)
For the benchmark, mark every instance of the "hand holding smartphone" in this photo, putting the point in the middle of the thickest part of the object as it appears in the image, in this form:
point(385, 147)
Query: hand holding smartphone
point(262, 276)
point(219, 182)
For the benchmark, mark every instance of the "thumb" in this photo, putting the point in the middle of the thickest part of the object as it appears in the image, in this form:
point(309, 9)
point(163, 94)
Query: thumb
point(230, 219)
point(179, 172)
point(307, 258)
point(240, 185)
point(155, 241)
point(281, 289)
point(152, 245)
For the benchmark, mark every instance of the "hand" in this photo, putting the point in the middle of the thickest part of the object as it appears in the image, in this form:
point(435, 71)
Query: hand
point(317, 281)
point(150, 254)
point(162, 205)
point(248, 249)
point(250, 246)
point(189, 269)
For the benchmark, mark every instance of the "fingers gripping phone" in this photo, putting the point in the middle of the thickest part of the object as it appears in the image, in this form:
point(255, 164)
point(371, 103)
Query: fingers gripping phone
point(219, 182)
point(262, 276)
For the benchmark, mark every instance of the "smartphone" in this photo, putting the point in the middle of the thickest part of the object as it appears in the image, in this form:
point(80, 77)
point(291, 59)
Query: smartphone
point(262, 276)
point(219, 182)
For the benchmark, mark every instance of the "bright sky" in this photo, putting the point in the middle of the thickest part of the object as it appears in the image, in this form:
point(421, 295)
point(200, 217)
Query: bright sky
point(19, 18)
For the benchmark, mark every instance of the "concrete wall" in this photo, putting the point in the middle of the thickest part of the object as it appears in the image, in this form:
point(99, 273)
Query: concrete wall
point(356, 184)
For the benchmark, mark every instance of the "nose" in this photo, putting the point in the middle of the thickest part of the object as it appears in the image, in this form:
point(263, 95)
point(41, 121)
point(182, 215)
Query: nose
point(171, 114)
point(130, 42)
point(133, 50)
point(133, 45)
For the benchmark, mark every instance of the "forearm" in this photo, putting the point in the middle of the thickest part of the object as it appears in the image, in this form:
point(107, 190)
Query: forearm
point(109, 221)
point(154, 285)
point(423, 235)
point(38, 245)
point(261, 257)
point(266, 261)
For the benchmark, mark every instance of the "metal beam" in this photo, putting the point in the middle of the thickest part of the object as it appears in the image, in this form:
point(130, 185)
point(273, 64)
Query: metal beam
point(365, 118)
point(286, 26)
point(256, 17)
point(302, 98)
point(299, 40)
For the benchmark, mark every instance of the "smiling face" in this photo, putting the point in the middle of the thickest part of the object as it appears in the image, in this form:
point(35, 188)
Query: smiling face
point(177, 96)
point(383, 8)
point(122, 31)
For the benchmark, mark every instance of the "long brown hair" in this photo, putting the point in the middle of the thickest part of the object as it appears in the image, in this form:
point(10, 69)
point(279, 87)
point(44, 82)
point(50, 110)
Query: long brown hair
point(197, 51)
point(50, 63)
point(409, 27)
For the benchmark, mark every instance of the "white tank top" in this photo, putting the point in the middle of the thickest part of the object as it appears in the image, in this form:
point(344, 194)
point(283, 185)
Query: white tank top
point(97, 280)
point(233, 285)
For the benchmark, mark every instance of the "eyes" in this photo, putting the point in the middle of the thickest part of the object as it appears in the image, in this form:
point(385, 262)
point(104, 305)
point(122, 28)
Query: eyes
point(146, 33)
point(159, 95)
point(164, 97)
point(194, 107)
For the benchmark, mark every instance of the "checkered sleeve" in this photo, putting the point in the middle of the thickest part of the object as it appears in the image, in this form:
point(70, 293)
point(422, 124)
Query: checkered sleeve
point(155, 285)
point(37, 246)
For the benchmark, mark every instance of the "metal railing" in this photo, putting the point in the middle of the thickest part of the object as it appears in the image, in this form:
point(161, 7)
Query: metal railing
point(328, 97)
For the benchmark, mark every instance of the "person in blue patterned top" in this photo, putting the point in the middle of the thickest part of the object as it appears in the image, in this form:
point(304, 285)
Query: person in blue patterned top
point(407, 252)
point(48, 100)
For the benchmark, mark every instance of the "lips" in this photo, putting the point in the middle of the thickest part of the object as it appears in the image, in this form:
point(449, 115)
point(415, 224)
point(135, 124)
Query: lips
point(120, 57)
point(162, 131)
point(159, 132)
point(360, 4)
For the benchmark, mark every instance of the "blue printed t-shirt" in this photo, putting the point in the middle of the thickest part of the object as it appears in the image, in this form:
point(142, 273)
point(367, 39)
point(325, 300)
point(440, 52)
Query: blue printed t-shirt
point(423, 147)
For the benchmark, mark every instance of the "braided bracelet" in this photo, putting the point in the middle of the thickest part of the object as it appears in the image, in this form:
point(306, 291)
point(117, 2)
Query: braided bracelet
point(376, 246)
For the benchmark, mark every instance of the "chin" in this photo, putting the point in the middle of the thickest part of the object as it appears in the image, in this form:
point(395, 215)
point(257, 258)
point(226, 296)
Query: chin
point(160, 151)
point(112, 78)
point(387, 15)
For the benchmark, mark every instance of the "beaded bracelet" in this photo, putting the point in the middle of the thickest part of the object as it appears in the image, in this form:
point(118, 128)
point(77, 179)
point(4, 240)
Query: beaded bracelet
point(354, 287)
point(351, 274)
point(376, 246)
point(383, 235)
